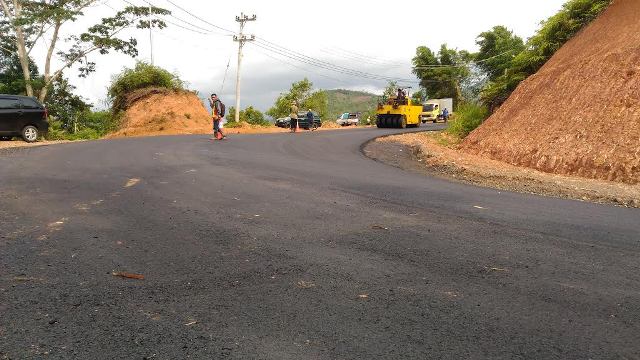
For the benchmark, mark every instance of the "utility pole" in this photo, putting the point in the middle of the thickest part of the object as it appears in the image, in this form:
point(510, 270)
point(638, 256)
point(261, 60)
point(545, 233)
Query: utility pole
point(151, 33)
point(241, 38)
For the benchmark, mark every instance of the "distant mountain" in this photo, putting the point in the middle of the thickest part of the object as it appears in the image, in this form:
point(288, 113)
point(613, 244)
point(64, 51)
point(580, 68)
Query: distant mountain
point(342, 101)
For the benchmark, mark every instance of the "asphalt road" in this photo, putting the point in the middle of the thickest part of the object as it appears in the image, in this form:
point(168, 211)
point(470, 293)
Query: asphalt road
point(299, 247)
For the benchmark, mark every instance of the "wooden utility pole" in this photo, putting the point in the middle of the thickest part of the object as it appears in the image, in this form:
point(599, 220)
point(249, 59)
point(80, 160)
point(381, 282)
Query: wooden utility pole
point(241, 38)
point(151, 33)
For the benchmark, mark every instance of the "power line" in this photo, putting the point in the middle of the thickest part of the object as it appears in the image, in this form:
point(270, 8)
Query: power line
point(299, 67)
point(330, 65)
point(326, 65)
point(199, 18)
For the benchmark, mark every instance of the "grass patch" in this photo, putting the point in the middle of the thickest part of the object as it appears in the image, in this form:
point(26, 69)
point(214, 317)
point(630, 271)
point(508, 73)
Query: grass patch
point(468, 117)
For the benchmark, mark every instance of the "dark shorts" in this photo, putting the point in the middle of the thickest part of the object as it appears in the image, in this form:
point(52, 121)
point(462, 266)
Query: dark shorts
point(216, 125)
point(293, 124)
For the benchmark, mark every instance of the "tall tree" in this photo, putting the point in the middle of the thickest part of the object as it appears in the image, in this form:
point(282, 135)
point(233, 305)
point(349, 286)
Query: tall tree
point(553, 34)
point(498, 47)
point(442, 74)
point(301, 92)
point(29, 21)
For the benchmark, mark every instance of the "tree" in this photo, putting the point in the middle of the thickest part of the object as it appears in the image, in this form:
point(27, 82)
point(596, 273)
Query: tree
point(302, 93)
point(27, 22)
point(390, 90)
point(552, 35)
point(250, 115)
point(498, 47)
point(442, 74)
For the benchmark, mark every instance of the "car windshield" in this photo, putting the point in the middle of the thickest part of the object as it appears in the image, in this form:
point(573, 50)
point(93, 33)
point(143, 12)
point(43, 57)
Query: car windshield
point(428, 107)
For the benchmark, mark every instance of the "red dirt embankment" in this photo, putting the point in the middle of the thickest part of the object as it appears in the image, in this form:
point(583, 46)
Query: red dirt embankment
point(580, 114)
point(164, 112)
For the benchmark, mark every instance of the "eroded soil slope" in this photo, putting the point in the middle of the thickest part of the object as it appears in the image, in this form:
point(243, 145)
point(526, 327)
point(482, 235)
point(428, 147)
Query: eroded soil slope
point(580, 114)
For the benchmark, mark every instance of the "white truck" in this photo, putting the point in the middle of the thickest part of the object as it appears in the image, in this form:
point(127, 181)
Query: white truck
point(347, 119)
point(434, 108)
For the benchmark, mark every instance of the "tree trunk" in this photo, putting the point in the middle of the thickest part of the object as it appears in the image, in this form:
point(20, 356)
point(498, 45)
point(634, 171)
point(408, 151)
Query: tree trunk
point(47, 66)
point(20, 42)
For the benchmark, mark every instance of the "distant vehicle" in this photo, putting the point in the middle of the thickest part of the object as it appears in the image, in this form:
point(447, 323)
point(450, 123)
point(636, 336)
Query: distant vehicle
point(348, 119)
point(432, 110)
point(285, 122)
point(303, 123)
point(398, 112)
point(22, 116)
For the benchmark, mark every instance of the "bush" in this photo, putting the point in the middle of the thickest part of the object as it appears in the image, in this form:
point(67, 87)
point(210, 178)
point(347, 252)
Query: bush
point(89, 125)
point(141, 77)
point(552, 35)
point(468, 117)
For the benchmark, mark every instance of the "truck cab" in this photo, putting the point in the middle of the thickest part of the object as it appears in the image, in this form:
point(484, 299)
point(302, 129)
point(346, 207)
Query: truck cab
point(430, 112)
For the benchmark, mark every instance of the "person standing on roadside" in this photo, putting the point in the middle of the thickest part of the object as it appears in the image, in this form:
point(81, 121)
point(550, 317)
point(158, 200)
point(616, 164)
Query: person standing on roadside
point(217, 114)
point(294, 117)
point(310, 120)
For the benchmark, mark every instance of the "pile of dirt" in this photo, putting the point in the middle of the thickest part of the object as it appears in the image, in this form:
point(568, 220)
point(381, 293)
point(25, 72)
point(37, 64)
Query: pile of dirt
point(580, 114)
point(164, 112)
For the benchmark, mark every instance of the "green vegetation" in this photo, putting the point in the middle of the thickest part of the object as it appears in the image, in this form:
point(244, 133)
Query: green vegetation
point(24, 22)
point(554, 33)
point(142, 76)
point(302, 93)
point(249, 115)
point(468, 117)
point(489, 76)
point(442, 75)
point(87, 125)
point(341, 101)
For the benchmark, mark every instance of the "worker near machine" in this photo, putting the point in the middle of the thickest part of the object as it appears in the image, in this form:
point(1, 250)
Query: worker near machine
point(445, 114)
point(217, 115)
point(294, 117)
point(310, 120)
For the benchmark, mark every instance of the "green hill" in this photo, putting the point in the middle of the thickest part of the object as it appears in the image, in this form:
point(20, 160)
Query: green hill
point(342, 101)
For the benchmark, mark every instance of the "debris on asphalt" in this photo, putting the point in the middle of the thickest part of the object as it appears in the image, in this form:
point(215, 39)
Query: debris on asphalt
point(478, 207)
point(379, 227)
point(363, 296)
point(497, 269)
point(127, 275)
point(132, 182)
point(305, 284)
point(191, 323)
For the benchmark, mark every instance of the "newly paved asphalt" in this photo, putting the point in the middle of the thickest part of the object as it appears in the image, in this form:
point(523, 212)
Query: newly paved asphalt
point(299, 247)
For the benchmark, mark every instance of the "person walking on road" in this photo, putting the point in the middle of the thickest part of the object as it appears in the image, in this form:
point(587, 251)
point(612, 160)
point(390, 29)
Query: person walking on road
point(310, 120)
point(217, 115)
point(294, 117)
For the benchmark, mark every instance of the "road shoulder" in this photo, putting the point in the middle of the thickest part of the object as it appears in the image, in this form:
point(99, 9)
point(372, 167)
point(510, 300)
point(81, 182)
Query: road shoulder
point(425, 153)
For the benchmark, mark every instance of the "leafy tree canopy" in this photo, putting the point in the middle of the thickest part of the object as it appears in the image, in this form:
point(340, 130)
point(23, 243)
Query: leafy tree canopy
point(301, 92)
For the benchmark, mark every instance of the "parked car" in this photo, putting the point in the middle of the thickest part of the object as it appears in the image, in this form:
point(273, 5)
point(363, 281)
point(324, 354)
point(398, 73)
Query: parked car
point(347, 119)
point(283, 122)
point(22, 116)
point(303, 123)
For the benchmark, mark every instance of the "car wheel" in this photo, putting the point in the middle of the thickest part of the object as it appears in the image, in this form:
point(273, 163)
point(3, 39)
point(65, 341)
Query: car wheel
point(30, 133)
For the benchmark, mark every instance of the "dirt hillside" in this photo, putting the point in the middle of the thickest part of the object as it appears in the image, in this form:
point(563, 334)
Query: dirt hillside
point(580, 114)
point(165, 113)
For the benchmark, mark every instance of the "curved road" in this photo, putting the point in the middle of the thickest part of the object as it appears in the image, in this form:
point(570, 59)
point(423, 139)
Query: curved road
point(299, 247)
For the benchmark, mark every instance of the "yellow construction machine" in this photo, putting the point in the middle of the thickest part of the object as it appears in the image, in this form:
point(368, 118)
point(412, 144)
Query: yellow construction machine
point(398, 112)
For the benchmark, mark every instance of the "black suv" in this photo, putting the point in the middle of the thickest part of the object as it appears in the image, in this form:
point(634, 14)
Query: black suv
point(22, 116)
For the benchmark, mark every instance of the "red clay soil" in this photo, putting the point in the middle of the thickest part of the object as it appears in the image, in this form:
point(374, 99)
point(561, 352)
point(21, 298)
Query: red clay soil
point(170, 113)
point(580, 114)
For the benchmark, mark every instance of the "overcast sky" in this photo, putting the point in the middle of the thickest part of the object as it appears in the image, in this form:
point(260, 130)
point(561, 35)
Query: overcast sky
point(372, 37)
